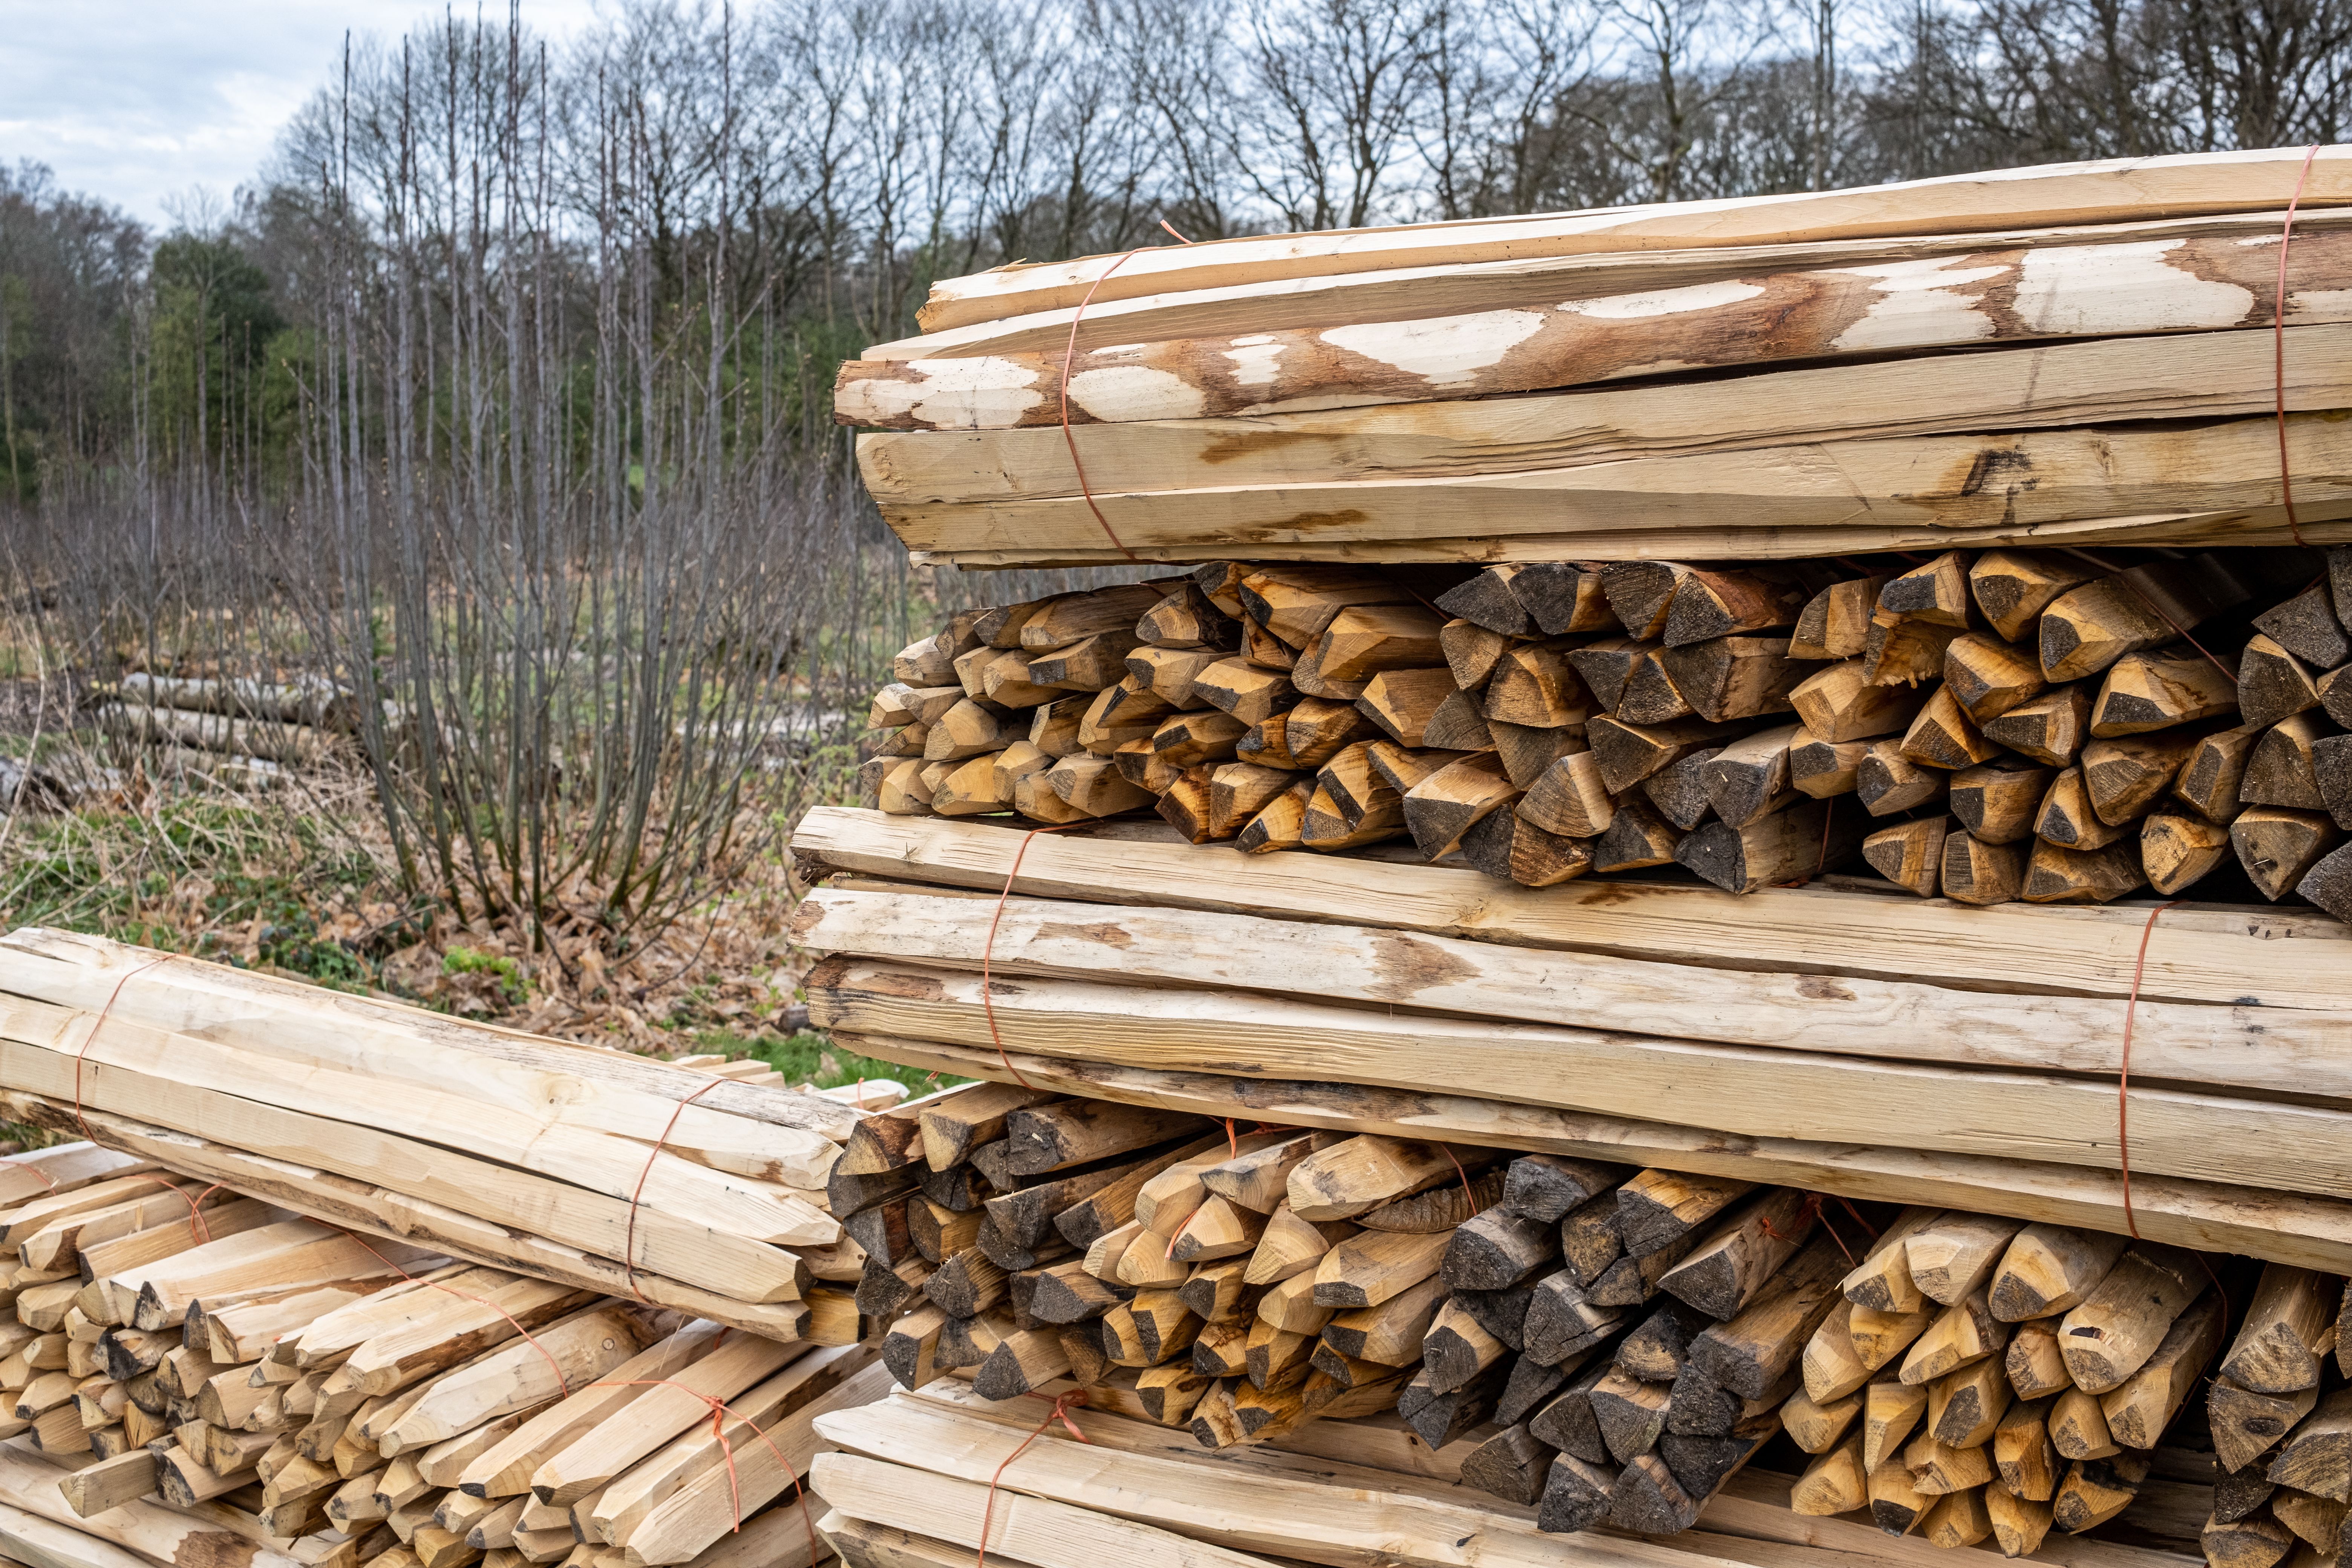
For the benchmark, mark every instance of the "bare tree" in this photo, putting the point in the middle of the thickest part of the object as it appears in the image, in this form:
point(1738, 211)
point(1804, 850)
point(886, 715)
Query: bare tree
point(1326, 104)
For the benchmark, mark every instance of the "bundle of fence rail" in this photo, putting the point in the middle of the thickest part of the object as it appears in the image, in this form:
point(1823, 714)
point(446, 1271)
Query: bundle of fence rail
point(187, 1371)
point(2143, 352)
point(592, 1168)
point(1542, 1345)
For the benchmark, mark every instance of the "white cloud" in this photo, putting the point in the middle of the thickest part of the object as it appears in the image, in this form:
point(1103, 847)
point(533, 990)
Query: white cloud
point(140, 102)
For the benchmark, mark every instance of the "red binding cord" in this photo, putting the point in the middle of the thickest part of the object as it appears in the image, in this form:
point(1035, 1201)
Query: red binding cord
point(2278, 343)
point(629, 1245)
point(100, 1023)
point(1816, 1207)
point(202, 1231)
point(561, 1383)
point(719, 1413)
point(988, 954)
point(1069, 352)
point(1061, 1411)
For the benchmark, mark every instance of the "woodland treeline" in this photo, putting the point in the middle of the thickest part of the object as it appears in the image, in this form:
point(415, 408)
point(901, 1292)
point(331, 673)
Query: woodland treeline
point(500, 396)
point(820, 161)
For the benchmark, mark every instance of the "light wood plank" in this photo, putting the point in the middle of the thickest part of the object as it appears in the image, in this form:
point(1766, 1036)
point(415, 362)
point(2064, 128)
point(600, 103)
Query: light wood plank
point(2114, 190)
point(616, 1091)
point(2018, 484)
point(181, 1081)
point(2301, 1052)
point(2283, 959)
point(380, 1212)
point(2207, 375)
point(1030, 1529)
point(1726, 1088)
point(1500, 344)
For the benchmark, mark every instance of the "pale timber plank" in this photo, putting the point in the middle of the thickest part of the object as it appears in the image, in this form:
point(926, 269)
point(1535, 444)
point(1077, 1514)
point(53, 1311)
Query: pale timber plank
point(666, 1241)
point(1729, 1088)
point(2285, 960)
point(2017, 483)
point(28, 1481)
point(2204, 375)
point(1503, 344)
point(168, 1061)
point(2249, 525)
point(2112, 190)
point(1034, 1529)
point(2302, 1052)
point(1627, 280)
point(380, 1212)
point(615, 1091)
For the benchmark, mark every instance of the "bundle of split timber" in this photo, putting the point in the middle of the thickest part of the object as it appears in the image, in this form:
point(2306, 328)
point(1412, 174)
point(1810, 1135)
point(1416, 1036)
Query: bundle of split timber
point(2077, 354)
point(1589, 1346)
point(593, 1169)
point(187, 1371)
point(2054, 726)
point(252, 729)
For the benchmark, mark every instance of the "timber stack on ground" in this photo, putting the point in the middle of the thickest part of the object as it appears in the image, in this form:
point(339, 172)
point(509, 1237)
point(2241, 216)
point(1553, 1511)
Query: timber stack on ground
point(1766, 696)
point(192, 1375)
point(591, 1168)
point(1542, 1345)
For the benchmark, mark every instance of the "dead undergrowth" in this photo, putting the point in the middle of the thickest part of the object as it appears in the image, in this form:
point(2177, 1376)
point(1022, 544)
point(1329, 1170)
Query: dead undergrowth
point(299, 880)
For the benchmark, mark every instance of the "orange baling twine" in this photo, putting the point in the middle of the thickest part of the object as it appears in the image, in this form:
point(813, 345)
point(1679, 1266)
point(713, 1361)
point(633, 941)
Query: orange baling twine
point(720, 1412)
point(203, 1232)
point(2278, 344)
point(629, 1245)
point(1815, 1207)
point(1232, 1151)
point(1061, 1411)
point(2122, 1078)
point(988, 952)
point(561, 1383)
point(100, 1023)
point(1071, 352)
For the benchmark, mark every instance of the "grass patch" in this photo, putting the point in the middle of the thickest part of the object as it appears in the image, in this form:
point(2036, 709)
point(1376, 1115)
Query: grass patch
point(810, 1058)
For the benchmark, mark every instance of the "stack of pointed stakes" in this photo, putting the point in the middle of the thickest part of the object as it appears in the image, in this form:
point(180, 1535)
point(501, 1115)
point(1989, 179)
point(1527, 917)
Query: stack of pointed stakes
point(2081, 353)
point(1597, 1347)
point(607, 1171)
point(180, 1364)
point(2054, 726)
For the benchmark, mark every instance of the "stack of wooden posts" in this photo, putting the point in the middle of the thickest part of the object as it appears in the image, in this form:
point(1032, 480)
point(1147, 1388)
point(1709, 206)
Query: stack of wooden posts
point(1776, 376)
point(250, 729)
point(183, 1364)
point(2055, 726)
point(1874, 1045)
point(1596, 1346)
point(596, 1169)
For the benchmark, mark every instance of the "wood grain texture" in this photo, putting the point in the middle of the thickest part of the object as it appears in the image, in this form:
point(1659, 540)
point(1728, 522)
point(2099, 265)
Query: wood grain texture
point(2298, 1051)
point(2115, 190)
point(2009, 486)
point(1749, 323)
point(2233, 957)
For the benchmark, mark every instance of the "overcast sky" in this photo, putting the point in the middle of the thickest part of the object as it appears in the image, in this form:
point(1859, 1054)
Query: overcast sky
point(140, 102)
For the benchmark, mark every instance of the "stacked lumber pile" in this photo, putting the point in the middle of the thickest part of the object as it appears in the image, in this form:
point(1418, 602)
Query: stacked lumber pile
point(1595, 1346)
point(593, 1169)
point(251, 731)
point(2055, 726)
point(1880, 1047)
point(185, 1364)
point(1717, 381)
